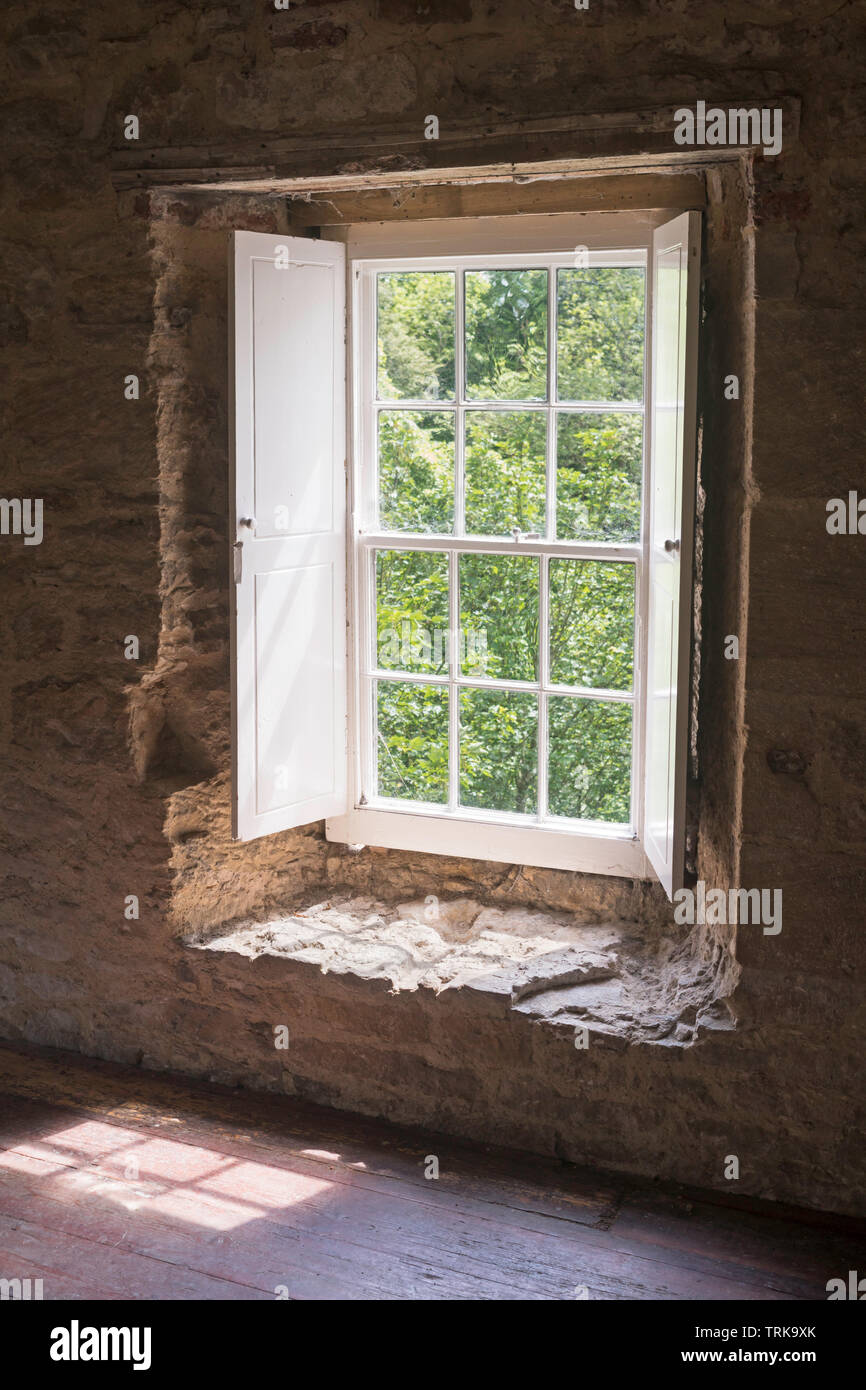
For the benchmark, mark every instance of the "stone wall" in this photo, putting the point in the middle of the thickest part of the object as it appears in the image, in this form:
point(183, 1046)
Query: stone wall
point(116, 773)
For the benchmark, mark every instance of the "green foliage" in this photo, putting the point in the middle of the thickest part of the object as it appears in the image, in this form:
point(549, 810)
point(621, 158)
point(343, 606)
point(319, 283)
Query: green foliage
point(498, 762)
point(591, 617)
point(598, 477)
point(413, 741)
point(416, 470)
point(506, 335)
point(416, 335)
point(412, 611)
point(499, 599)
point(590, 759)
point(600, 317)
point(505, 471)
point(591, 624)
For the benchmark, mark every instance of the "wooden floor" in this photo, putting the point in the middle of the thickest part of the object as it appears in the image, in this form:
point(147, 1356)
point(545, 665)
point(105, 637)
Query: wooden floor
point(118, 1183)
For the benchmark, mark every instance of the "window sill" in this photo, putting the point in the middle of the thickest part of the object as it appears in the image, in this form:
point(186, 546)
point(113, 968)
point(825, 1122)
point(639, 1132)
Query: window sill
point(620, 855)
point(600, 985)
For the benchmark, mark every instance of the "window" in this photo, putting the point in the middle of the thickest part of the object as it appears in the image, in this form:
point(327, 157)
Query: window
point(519, 532)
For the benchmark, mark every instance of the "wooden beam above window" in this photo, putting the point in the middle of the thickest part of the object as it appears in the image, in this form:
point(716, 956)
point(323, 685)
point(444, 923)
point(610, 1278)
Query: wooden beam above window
point(466, 151)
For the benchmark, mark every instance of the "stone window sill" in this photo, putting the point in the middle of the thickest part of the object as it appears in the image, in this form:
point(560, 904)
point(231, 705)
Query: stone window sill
point(615, 980)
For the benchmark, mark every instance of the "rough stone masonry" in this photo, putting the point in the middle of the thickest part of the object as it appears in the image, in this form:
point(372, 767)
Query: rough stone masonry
point(702, 1043)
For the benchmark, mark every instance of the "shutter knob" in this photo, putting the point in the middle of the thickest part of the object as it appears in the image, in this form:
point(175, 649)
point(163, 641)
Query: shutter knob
point(671, 546)
point(249, 521)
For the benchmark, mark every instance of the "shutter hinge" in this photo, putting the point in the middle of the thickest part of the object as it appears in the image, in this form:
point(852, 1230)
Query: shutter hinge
point(238, 560)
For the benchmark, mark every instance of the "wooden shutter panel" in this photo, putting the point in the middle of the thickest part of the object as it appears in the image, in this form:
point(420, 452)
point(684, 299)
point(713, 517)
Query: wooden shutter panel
point(288, 521)
point(676, 285)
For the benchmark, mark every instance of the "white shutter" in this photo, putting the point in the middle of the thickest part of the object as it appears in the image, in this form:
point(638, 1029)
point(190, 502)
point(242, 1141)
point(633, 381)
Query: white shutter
point(676, 284)
point(288, 531)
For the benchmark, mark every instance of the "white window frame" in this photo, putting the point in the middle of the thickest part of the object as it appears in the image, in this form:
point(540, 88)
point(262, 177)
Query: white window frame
point(518, 242)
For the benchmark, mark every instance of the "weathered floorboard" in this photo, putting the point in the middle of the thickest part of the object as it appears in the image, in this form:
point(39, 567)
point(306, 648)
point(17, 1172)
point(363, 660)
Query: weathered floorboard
point(116, 1183)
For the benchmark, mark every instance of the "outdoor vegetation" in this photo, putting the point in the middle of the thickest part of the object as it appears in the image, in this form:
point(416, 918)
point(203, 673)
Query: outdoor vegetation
point(597, 465)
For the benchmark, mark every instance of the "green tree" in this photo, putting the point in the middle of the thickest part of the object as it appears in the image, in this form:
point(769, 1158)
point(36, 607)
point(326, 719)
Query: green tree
point(598, 483)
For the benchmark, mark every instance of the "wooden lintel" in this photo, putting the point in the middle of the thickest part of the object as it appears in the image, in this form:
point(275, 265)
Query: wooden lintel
point(598, 193)
point(515, 149)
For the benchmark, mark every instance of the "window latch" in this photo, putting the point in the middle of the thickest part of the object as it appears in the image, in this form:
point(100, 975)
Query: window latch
point(519, 535)
point(249, 523)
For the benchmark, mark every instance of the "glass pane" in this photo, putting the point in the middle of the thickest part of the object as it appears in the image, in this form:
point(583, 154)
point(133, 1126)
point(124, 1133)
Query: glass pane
point(416, 471)
point(499, 616)
point(505, 471)
point(598, 477)
point(412, 741)
point(416, 335)
point(506, 335)
point(600, 334)
point(412, 611)
point(498, 750)
point(589, 770)
point(591, 624)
